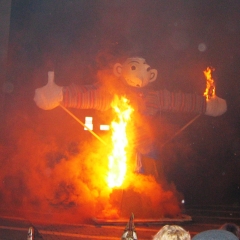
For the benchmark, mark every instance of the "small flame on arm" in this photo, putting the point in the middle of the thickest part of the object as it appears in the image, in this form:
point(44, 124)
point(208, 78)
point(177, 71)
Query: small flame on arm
point(210, 85)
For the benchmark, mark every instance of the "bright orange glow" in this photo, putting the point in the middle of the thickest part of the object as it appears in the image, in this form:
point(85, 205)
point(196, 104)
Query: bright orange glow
point(118, 157)
point(210, 86)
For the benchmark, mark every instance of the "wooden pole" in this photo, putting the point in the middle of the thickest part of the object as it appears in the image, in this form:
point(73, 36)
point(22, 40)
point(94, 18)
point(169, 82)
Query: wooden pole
point(84, 125)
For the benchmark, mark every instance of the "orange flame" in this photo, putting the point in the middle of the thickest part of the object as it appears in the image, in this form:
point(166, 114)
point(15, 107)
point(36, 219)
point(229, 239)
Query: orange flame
point(210, 86)
point(118, 157)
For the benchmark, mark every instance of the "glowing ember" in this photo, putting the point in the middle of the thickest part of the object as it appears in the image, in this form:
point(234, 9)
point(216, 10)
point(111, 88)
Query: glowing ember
point(118, 157)
point(210, 86)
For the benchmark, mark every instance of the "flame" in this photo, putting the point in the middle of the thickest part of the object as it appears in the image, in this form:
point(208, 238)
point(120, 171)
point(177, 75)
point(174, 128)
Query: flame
point(210, 86)
point(117, 160)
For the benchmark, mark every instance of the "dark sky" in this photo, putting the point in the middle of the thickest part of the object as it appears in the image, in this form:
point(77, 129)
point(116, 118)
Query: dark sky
point(179, 38)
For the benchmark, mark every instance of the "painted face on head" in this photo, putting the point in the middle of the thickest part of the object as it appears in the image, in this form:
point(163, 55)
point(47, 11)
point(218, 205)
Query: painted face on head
point(135, 72)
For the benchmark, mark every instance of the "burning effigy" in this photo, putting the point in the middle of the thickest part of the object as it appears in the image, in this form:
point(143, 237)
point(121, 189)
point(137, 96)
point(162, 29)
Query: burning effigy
point(121, 173)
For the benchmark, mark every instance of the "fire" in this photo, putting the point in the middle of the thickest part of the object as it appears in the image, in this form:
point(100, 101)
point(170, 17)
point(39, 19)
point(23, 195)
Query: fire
point(117, 160)
point(210, 86)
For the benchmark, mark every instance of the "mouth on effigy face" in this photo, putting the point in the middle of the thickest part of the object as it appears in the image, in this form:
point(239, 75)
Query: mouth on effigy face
point(133, 83)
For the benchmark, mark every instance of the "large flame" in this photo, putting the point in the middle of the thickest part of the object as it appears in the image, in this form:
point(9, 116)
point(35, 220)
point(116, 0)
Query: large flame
point(118, 157)
point(210, 86)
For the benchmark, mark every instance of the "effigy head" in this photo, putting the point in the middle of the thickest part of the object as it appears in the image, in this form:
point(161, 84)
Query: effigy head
point(135, 72)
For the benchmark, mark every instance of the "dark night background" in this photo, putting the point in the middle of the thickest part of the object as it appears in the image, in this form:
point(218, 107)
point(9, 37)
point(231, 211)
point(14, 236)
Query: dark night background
point(203, 161)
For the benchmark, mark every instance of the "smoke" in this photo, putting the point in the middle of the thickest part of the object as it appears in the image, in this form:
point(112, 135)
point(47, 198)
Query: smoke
point(42, 172)
point(150, 198)
point(52, 170)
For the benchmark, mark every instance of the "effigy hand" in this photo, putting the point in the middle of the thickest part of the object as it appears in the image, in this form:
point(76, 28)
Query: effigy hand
point(216, 106)
point(50, 95)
